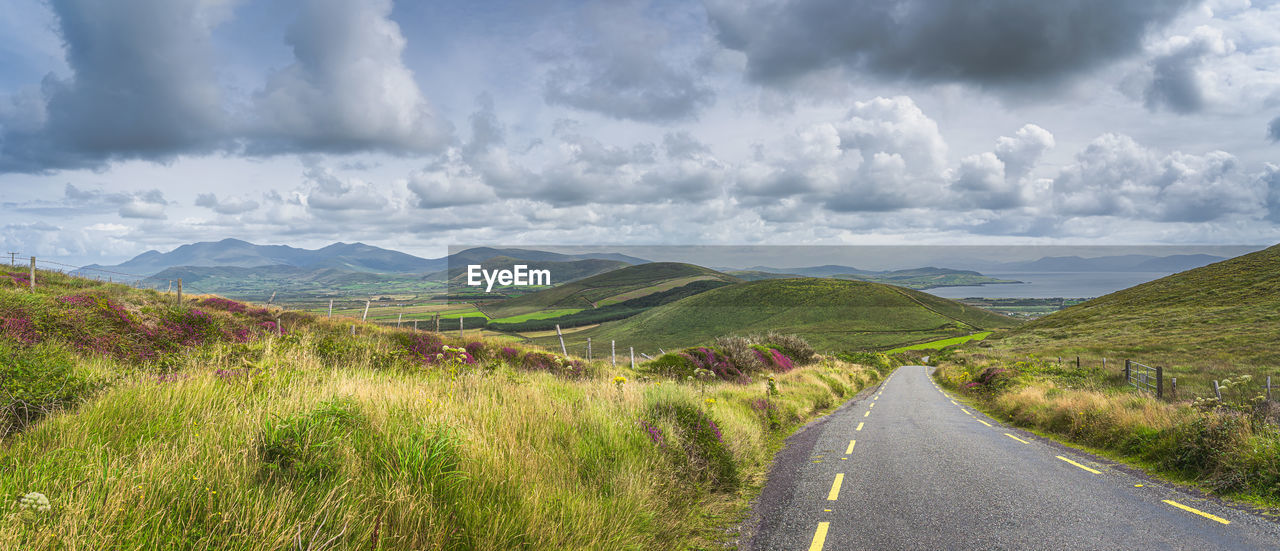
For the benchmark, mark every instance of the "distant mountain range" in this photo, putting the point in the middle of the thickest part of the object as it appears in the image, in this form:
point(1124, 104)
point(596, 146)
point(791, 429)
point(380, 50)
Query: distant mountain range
point(347, 257)
point(1122, 263)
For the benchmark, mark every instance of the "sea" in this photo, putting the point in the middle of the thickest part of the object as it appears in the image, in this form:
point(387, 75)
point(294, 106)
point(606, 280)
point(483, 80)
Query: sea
point(1051, 285)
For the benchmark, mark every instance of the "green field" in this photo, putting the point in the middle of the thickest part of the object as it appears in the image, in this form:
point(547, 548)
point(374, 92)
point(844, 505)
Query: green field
point(633, 281)
point(1200, 325)
point(540, 315)
point(834, 315)
point(148, 425)
point(940, 344)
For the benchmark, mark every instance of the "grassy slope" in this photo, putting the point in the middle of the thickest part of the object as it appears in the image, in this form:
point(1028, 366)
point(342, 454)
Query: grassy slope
point(831, 314)
point(584, 292)
point(1201, 324)
point(327, 439)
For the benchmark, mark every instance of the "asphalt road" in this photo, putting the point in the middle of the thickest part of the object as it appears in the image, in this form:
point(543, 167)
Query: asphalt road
point(906, 467)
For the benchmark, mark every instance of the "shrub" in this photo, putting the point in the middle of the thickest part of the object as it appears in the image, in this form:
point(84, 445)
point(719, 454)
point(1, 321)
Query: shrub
point(35, 382)
point(551, 363)
point(740, 352)
point(793, 346)
point(702, 453)
point(310, 447)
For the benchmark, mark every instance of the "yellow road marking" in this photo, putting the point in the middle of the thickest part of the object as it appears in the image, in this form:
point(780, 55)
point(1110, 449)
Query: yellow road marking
point(819, 537)
point(1094, 471)
point(953, 402)
point(835, 487)
point(849, 449)
point(1021, 440)
point(873, 404)
point(983, 422)
point(876, 398)
point(859, 426)
point(966, 412)
point(1196, 511)
point(867, 414)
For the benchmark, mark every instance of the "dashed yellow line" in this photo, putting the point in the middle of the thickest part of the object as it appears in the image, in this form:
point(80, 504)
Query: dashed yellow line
point(1094, 471)
point(873, 404)
point(849, 449)
point(966, 412)
point(859, 427)
point(835, 487)
point(1023, 441)
point(867, 414)
point(819, 536)
point(1197, 511)
point(983, 422)
point(953, 402)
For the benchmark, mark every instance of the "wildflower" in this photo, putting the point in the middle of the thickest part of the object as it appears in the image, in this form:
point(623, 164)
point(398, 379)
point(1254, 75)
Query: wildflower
point(710, 401)
point(619, 380)
point(34, 501)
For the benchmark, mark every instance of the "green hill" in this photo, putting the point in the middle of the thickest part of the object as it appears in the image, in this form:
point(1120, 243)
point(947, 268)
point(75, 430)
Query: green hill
point(833, 315)
point(1224, 317)
point(607, 288)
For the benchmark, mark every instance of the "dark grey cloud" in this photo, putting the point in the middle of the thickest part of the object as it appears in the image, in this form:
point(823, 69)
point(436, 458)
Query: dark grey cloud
point(1175, 82)
point(1273, 130)
point(143, 86)
point(626, 66)
point(997, 43)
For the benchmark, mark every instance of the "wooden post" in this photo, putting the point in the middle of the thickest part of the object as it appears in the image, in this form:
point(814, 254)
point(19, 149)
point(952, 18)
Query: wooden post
point(353, 329)
point(1077, 362)
point(273, 297)
point(460, 324)
point(170, 289)
point(399, 319)
point(1126, 371)
point(613, 353)
point(437, 318)
point(1159, 382)
point(563, 350)
point(415, 326)
point(179, 292)
point(1268, 388)
point(279, 328)
point(330, 308)
point(1104, 364)
point(1217, 391)
point(33, 274)
point(1173, 388)
point(588, 349)
point(633, 357)
point(366, 311)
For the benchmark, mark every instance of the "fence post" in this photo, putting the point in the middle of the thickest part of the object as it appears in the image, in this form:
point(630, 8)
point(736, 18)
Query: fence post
point(1159, 382)
point(1173, 388)
point(415, 326)
point(331, 308)
point(1217, 391)
point(1126, 371)
point(633, 357)
point(1104, 364)
point(613, 353)
point(563, 350)
point(461, 323)
point(179, 292)
point(353, 329)
point(273, 298)
point(1077, 362)
point(1268, 388)
point(33, 273)
point(399, 319)
point(588, 349)
point(279, 328)
point(436, 316)
point(366, 310)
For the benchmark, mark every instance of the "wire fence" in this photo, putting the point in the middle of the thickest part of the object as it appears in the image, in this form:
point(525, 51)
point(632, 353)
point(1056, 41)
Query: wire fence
point(384, 313)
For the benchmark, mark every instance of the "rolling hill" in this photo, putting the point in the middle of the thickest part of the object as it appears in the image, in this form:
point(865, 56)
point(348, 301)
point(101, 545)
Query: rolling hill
point(1221, 317)
point(561, 271)
point(607, 288)
point(235, 253)
point(833, 315)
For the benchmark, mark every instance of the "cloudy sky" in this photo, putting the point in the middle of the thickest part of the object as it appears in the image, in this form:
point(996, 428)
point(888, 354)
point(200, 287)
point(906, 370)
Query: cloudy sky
point(141, 124)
